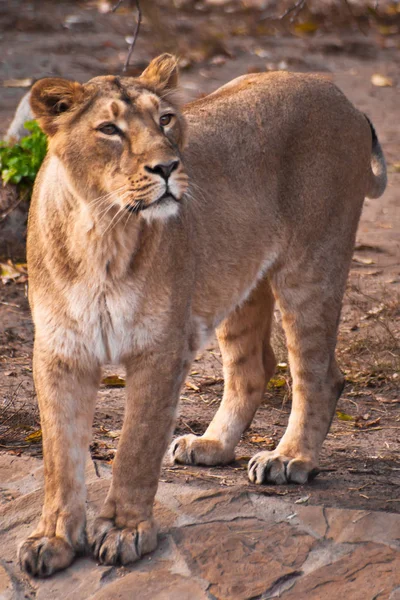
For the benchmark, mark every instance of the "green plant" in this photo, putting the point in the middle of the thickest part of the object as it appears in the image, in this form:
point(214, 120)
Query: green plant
point(19, 163)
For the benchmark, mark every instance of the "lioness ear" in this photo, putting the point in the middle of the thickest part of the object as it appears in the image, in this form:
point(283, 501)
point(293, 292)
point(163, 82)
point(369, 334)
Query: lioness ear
point(161, 74)
point(52, 96)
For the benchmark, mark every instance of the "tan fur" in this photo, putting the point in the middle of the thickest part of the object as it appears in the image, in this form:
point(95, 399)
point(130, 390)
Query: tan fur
point(278, 166)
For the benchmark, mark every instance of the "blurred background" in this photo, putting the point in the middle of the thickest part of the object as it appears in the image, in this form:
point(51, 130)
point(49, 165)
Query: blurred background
point(216, 40)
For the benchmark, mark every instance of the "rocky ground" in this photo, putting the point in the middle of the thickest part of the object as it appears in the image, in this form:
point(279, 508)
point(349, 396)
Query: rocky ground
point(220, 543)
point(221, 536)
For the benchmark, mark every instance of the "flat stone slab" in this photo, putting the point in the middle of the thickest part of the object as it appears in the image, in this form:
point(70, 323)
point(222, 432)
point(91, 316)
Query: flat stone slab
point(214, 544)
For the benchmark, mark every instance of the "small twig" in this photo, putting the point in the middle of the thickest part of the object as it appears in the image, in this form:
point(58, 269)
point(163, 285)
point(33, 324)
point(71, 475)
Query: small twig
point(5, 214)
point(298, 6)
point(190, 429)
point(96, 467)
point(10, 304)
point(22, 196)
point(14, 447)
point(347, 5)
point(353, 16)
point(135, 33)
point(211, 382)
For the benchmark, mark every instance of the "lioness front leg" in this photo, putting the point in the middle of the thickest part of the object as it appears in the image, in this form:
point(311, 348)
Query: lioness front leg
point(249, 362)
point(125, 529)
point(310, 315)
point(66, 395)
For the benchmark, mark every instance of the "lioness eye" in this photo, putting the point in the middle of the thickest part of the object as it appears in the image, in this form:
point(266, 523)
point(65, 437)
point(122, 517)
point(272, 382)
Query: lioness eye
point(165, 120)
point(109, 129)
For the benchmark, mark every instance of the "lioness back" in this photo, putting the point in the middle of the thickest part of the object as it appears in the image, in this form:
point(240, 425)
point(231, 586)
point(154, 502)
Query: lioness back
point(264, 152)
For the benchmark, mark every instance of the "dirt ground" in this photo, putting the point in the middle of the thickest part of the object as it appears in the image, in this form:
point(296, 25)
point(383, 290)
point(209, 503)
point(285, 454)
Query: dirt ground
point(218, 41)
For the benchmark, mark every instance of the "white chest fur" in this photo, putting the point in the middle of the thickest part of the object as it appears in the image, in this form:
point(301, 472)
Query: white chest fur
point(97, 323)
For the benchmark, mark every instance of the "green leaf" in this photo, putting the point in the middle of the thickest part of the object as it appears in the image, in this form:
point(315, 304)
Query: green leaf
point(276, 382)
point(343, 417)
point(19, 163)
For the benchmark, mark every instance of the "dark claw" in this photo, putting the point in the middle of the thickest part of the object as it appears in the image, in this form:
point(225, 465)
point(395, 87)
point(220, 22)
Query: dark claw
point(117, 557)
point(103, 555)
point(265, 471)
point(285, 465)
point(175, 448)
point(136, 542)
point(43, 570)
point(27, 567)
point(191, 456)
point(313, 473)
point(97, 544)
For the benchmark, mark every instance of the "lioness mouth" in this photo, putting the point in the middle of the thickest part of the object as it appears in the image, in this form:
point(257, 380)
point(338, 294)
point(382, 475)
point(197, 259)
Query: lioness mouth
point(138, 206)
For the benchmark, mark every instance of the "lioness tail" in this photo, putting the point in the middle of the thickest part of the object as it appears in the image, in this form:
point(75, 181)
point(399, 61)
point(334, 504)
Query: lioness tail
point(378, 167)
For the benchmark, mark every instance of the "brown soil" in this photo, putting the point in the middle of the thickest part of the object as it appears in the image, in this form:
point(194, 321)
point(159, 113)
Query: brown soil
point(360, 460)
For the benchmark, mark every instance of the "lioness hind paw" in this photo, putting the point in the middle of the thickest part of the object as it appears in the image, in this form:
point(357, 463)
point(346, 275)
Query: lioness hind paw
point(194, 450)
point(112, 545)
point(272, 467)
point(43, 556)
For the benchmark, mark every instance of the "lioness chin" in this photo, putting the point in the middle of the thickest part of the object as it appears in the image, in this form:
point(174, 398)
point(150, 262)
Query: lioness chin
point(139, 248)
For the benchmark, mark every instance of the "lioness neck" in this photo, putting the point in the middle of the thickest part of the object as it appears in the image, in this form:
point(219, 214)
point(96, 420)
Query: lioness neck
point(95, 238)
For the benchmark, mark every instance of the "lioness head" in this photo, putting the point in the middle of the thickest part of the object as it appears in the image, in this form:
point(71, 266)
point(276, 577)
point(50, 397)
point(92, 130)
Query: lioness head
point(118, 138)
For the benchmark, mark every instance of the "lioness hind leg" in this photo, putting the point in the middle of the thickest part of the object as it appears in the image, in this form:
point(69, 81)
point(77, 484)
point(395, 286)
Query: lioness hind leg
point(248, 362)
point(66, 399)
point(310, 302)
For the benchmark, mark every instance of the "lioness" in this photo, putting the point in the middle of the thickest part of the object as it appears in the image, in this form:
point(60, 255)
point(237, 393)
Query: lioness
point(138, 250)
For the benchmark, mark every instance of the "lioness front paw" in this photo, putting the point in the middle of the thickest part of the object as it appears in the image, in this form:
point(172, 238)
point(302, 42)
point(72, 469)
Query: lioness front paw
point(274, 467)
point(194, 450)
point(112, 545)
point(43, 556)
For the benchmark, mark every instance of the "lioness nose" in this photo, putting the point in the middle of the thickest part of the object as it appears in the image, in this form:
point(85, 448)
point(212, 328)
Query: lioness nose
point(164, 170)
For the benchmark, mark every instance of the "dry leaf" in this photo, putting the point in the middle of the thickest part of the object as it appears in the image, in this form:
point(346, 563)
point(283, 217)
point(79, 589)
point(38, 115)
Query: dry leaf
point(362, 424)
point(372, 273)
point(373, 312)
point(302, 500)
point(8, 272)
point(388, 29)
point(363, 261)
point(259, 439)
point(392, 9)
point(13, 272)
point(385, 225)
point(395, 167)
point(387, 400)
point(113, 434)
point(381, 81)
point(35, 437)
point(218, 60)
point(113, 381)
point(192, 386)
point(17, 83)
point(307, 27)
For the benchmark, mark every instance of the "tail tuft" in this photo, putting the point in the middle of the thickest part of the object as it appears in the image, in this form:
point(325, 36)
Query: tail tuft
point(378, 167)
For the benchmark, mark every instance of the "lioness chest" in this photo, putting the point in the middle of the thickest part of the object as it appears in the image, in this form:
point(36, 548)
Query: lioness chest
point(104, 323)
